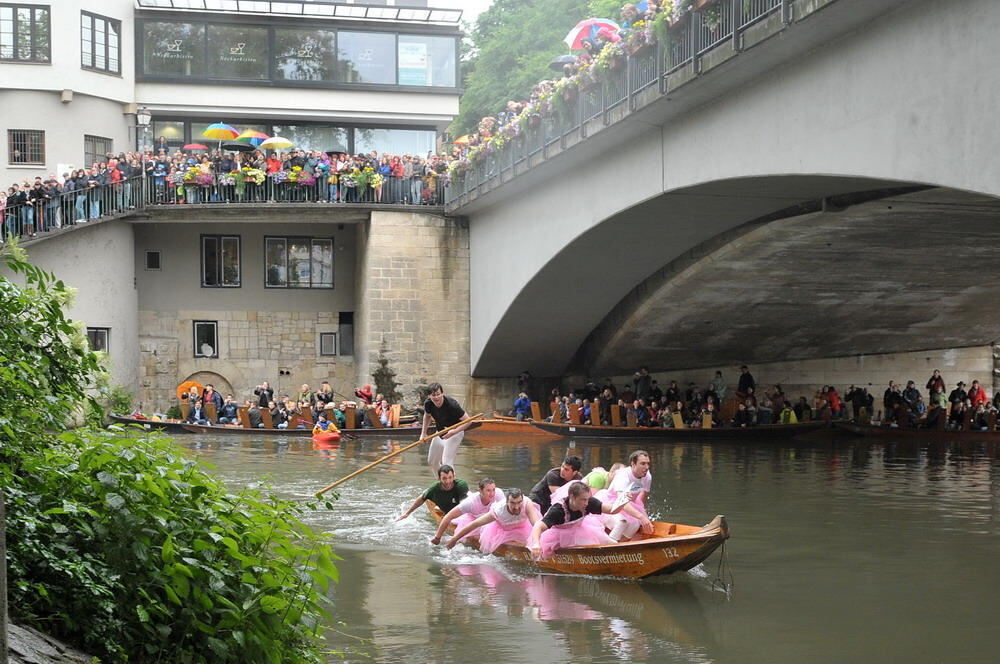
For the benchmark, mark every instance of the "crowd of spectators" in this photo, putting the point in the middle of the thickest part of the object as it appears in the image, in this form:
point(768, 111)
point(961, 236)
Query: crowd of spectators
point(646, 403)
point(128, 180)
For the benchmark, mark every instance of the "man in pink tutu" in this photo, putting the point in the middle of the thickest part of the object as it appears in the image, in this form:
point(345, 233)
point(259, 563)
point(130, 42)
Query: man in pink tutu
point(473, 506)
point(634, 482)
point(566, 525)
point(506, 522)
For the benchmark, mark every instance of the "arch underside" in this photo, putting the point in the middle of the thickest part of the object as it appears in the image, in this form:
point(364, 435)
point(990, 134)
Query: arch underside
point(710, 277)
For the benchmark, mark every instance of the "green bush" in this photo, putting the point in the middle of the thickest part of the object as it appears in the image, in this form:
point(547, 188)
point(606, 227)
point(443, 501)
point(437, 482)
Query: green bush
point(121, 545)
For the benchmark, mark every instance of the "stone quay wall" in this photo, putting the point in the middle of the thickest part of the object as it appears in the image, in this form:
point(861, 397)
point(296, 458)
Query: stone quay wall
point(413, 301)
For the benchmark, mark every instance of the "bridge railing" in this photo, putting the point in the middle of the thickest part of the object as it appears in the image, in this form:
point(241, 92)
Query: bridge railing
point(714, 25)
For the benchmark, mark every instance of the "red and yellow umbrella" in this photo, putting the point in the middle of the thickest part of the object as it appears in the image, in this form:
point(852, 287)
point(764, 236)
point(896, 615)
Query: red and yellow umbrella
point(220, 131)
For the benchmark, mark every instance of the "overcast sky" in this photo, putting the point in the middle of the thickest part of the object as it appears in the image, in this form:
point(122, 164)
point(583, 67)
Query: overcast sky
point(470, 8)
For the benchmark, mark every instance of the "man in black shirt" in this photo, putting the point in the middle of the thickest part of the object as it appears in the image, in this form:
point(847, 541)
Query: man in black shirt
point(570, 527)
point(542, 492)
point(446, 493)
point(445, 411)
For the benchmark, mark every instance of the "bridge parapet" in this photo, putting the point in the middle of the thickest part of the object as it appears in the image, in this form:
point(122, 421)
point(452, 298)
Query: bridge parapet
point(701, 41)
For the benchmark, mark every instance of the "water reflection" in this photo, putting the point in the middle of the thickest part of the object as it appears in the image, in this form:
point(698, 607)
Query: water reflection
point(839, 546)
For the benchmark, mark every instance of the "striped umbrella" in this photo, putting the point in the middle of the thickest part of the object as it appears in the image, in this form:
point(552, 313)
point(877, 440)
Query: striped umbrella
point(276, 143)
point(252, 137)
point(220, 131)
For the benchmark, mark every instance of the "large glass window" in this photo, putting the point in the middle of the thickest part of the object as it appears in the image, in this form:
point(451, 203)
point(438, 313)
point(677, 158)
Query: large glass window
point(298, 262)
point(173, 49)
point(313, 137)
point(426, 61)
point(394, 141)
point(305, 55)
point(237, 52)
point(169, 133)
point(220, 261)
point(100, 43)
point(367, 57)
point(24, 33)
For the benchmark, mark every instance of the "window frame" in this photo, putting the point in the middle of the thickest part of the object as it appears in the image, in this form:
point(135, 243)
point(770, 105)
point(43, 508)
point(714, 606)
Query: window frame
point(273, 80)
point(97, 156)
point(287, 239)
point(194, 338)
point(35, 48)
point(345, 324)
point(10, 147)
point(159, 260)
point(335, 348)
point(108, 23)
point(221, 239)
point(96, 331)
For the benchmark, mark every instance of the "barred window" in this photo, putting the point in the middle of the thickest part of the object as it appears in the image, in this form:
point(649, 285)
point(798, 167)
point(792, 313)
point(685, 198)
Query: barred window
point(100, 43)
point(24, 33)
point(95, 148)
point(26, 146)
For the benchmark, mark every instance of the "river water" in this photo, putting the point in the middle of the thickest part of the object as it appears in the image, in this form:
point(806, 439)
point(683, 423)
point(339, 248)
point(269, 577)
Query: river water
point(841, 551)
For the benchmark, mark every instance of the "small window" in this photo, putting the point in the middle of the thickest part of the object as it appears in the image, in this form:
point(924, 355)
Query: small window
point(206, 338)
point(298, 262)
point(327, 343)
point(97, 337)
point(152, 260)
point(100, 43)
point(96, 149)
point(26, 146)
point(24, 33)
point(220, 261)
point(346, 332)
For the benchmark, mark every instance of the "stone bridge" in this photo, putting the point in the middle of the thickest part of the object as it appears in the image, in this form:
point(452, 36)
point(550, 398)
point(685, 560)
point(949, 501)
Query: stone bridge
point(819, 185)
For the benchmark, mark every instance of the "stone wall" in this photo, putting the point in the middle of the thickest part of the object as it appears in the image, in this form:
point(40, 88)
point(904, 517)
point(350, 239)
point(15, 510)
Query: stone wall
point(413, 301)
point(253, 346)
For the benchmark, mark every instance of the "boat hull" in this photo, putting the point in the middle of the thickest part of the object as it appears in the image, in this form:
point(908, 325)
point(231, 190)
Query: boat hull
point(671, 548)
point(506, 428)
point(400, 433)
point(871, 430)
point(762, 432)
point(173, 426)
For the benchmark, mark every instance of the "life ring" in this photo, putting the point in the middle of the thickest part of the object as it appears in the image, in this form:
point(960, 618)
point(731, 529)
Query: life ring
point(326, 437)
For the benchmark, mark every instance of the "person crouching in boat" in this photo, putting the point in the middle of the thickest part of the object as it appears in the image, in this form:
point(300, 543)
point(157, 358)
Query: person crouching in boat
point(472, 506)
point(446, 493)
point(506, 522)
point(324, 425)
point(566, 525)
point(635, 482)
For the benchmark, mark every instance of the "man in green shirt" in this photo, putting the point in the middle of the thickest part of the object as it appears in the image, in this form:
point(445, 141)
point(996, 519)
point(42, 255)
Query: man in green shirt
point(446, 493)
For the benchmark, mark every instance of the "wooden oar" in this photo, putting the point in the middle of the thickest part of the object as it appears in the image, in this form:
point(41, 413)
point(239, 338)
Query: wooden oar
point(396, 453)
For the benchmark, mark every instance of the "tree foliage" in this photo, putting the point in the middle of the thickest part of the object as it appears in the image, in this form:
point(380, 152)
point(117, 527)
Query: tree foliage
point(512, 45)
point(118, 543)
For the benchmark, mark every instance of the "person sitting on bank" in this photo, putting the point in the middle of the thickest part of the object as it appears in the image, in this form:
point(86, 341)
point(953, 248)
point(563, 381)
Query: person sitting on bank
point(197, 414)
point(446, 493)
point(323, 425)
point(229, 413)
point(473, 506)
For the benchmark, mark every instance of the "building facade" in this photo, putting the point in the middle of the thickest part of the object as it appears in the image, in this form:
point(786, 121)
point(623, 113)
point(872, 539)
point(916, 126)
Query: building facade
point(235, 295)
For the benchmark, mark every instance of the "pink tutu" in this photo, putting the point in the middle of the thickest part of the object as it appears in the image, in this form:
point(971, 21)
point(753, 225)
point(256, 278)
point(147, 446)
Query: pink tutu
point(492, 535)
point(579, 533)
point(464, 519)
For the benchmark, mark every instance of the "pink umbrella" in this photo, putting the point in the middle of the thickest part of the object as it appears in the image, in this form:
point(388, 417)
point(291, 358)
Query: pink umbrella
point(588, 29)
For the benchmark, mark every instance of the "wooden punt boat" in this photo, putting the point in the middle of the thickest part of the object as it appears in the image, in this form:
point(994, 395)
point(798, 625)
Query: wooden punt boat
point(761, 432)
point(173, 426)
point(500, 426)
point(401, 433)
point(910, 433)
point(672, 547)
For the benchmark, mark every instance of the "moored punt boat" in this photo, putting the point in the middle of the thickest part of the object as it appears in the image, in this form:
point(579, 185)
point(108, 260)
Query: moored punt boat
point(402, 433)
point(763, 431)
point(173, 426)
point(899, 433)
point(672, 547)
point(505, 427)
